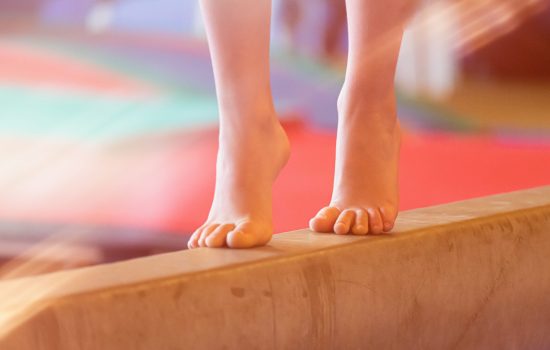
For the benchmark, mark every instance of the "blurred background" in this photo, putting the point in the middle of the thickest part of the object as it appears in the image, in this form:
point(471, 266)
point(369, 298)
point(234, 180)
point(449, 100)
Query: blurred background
point(108, 117)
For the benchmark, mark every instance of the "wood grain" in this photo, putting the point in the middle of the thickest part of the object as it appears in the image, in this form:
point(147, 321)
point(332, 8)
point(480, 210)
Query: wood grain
point(471, 274)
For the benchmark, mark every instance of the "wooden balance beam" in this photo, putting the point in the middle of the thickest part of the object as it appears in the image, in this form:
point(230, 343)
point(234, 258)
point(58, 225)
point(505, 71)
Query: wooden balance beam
point(471, 274)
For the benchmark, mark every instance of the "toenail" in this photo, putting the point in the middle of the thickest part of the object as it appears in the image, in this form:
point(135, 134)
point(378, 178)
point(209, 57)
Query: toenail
point(359, 228)
point(340, 227)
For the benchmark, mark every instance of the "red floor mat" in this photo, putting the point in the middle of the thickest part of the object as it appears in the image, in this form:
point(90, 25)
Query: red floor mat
point(167, 184)
point(25, 65)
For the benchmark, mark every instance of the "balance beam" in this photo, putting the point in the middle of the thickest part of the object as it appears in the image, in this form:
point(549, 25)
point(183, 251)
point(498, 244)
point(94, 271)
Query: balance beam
point(471, 274)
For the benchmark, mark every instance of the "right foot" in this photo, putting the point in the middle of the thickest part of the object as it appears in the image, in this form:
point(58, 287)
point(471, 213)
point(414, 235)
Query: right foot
point(250, 157)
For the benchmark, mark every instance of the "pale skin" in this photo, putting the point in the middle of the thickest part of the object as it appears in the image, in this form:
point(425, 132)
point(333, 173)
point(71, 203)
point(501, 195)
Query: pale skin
point(253, 146)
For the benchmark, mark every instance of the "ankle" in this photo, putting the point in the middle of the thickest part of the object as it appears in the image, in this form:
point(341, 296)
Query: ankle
point(367, 91)
point(248, 119)
point(357, 105)
point(245, 102)
point(249, 126)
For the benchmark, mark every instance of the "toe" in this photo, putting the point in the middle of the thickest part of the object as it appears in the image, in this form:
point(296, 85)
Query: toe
point(344, 222)
point(193, 241)
point(361, 225)
point(205, 233)
point(324, 220)
point(217, 238)
point(389, 214)
point(248, 235)
point(375, 221)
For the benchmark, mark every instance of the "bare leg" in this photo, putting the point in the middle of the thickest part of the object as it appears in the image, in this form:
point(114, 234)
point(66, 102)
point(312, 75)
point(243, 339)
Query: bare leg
point(365, 194)
point(252, 144)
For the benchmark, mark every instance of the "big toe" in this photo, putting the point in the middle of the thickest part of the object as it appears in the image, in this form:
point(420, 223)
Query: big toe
point(248, 235)
point(324, 220)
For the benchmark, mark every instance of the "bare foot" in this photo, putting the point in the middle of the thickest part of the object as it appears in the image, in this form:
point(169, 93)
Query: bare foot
point(250, 157)
point(365, 194)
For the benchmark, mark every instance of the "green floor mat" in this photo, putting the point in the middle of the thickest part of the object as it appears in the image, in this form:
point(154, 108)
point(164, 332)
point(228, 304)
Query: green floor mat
point(59, 113)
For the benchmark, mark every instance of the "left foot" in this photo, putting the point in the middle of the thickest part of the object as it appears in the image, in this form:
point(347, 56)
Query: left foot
point(250, 156)
point(365, 194)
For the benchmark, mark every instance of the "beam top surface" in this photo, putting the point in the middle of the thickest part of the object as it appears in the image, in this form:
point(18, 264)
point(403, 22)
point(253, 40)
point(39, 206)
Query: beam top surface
point(193, 263)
